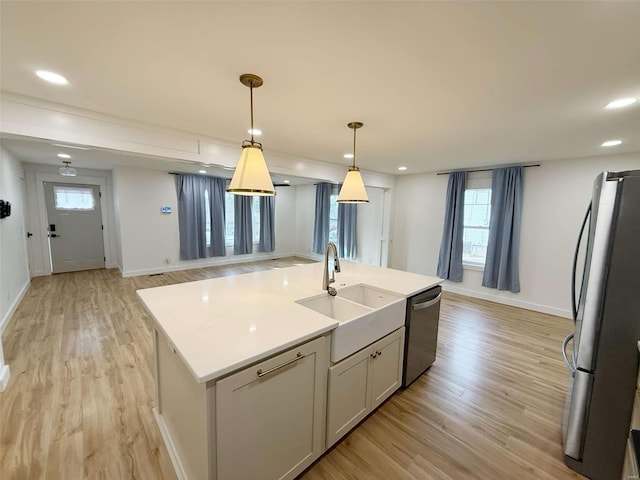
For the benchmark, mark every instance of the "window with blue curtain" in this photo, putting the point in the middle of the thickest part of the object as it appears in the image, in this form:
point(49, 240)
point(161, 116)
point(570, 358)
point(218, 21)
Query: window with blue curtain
point(501, 269)
point(267, 239)
point(451, 246)
point(334, 222)
point(200, 216)
point(243, 225)
point(347, 228)
point(321, 219)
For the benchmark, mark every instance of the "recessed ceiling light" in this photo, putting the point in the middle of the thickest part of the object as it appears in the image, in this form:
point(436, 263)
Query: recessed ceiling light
point(402, 169)
point(348, 155)
point(611, 143)
point(202, 171)
point(64, 155)
point(621, 102)
point(52, 77)
point(255, 131)
point(286, 181)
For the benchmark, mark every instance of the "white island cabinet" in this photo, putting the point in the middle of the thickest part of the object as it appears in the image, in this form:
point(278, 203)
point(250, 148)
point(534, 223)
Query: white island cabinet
point(241, 370)
point(266, 421)
point(271, 416)
point(360, 383)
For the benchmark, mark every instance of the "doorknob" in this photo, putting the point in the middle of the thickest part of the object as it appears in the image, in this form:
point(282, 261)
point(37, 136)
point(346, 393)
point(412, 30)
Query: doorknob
point(54, 235)
point(29, 234)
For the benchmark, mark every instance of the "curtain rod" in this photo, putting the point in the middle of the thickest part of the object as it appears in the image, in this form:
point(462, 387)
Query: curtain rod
point(488, 169)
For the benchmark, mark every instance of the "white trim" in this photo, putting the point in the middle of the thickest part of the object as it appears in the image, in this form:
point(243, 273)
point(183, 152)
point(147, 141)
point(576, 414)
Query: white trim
point(471, 266)
point(310, 256)
point(447, 287)
point(210, 262)
point(101, 181)
point(31, 117)
point(14, 306)
point(173, 453)
point(5, 373)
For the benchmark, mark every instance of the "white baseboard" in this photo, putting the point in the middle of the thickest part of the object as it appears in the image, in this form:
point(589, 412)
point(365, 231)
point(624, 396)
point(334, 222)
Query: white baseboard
point(14, 306)
point(173, 453)
point(4, 377)
point(210, 262)
point(310, 256)
point(447, 287)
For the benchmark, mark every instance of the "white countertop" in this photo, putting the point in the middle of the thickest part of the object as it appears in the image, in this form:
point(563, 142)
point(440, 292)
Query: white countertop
point(220, 325)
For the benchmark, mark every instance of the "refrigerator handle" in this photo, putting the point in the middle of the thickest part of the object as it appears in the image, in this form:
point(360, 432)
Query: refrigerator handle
point(570, 365)
point(574, 307)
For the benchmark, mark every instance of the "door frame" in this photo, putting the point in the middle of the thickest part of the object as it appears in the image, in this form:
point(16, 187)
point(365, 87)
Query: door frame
point(101, 182)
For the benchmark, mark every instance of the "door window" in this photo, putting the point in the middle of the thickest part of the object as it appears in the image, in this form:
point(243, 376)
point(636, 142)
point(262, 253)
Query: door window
point(74, 198)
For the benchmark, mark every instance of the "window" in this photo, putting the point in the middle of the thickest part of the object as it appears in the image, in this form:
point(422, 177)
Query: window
point(255, 219)
point(207, 220)
point(230, 218)
point(333, 218)
point(74, 198)
point(477, 214)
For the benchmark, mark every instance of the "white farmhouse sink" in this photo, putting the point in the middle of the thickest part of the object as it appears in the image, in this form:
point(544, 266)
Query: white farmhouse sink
point(365, 314)
point(367, 295)
point(334, 307)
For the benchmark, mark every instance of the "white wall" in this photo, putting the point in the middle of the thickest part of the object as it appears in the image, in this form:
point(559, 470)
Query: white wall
point(14, 265)
point(556, 196)
point(369, 227)
point(150, 240)
point(35, 174)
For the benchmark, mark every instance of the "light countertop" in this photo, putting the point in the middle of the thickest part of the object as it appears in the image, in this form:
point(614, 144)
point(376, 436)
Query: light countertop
point(220, 325)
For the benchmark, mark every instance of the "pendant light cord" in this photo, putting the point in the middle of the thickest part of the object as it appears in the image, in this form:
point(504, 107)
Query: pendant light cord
point(251, 96)
point(354, 147)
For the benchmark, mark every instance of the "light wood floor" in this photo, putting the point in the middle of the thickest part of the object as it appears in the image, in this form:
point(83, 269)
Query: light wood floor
point(79, 401)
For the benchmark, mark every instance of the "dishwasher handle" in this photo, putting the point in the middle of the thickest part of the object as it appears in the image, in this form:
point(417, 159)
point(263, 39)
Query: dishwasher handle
point(427, 304)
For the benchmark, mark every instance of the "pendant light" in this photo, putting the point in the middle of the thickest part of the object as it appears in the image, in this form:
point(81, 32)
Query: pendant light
point(67, 171)
point(251, 176)
point(353, 190)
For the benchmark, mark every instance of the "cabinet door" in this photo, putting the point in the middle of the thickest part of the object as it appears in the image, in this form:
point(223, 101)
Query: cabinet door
point(386, 367)
point(270, 417)
point(348, 395)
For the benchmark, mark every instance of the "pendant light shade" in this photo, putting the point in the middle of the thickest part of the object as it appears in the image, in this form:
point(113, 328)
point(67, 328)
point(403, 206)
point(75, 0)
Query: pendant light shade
point(67, 171)
point(353, 190)
point(251, 176)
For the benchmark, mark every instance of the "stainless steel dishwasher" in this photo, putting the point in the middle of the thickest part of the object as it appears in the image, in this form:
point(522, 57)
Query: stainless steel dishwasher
point(421, 333)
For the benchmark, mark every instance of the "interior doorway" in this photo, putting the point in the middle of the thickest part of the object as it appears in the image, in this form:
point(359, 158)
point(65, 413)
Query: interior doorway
point(74, 220)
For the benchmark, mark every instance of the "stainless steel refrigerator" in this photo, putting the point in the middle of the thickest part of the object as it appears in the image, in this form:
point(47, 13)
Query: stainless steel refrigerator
point(604, 361)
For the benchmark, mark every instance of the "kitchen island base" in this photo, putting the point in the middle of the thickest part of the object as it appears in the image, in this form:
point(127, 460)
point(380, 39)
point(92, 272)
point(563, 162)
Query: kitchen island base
point(267, 419)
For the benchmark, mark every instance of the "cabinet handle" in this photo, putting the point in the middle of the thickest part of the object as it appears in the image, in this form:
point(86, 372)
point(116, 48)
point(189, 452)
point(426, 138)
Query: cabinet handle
point(379, 353)
point(278, 367)
point(374, 355)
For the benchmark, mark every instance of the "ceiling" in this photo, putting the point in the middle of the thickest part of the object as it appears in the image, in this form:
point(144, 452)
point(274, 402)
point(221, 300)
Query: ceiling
point(438, 85)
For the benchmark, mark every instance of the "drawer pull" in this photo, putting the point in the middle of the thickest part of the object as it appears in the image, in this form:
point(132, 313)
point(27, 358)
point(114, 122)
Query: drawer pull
point(278, 367)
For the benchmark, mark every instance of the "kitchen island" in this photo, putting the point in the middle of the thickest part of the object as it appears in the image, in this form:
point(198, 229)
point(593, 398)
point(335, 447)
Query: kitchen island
point(235, 356)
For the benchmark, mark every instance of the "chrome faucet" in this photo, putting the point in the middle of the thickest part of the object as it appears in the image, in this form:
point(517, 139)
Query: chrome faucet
point(326, 281)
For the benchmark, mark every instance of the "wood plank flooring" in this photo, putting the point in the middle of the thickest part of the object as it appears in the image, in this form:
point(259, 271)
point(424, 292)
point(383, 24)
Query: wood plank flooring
point(489, 408)
point(78, 405)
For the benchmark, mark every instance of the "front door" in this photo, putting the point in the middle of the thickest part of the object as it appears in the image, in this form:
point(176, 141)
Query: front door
point(75, 226)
